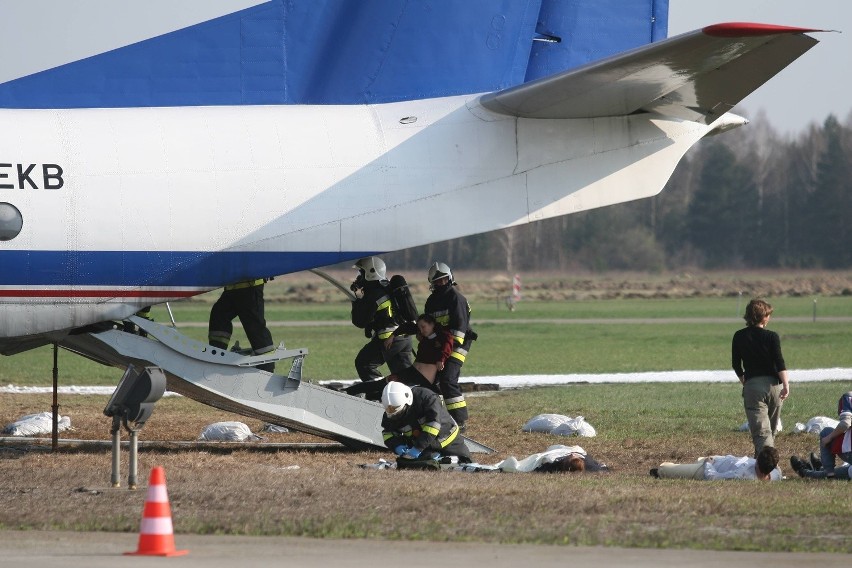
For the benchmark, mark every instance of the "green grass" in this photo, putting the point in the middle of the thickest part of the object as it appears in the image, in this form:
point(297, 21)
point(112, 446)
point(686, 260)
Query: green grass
point(660, 411)
point(664, 308)
point(198, 310)
point(515, 348)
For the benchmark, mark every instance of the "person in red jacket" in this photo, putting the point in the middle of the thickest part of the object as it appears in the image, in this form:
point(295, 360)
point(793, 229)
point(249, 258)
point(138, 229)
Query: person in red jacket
point(435, 345)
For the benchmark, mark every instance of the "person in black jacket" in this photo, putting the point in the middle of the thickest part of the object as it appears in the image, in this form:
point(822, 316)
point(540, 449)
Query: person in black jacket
point(244, 300)
point(372, 312)
point(416, 426)
point(756, 359)
point(450, 309)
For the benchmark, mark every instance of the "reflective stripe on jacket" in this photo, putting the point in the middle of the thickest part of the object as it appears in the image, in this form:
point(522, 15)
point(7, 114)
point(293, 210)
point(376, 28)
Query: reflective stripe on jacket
point(246, 284)
point(425, 424)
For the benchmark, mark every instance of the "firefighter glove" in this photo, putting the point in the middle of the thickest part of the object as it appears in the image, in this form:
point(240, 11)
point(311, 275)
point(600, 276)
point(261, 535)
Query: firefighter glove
point(411, 453)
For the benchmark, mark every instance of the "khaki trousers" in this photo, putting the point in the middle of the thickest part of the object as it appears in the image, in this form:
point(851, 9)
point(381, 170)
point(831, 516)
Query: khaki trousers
point(762, 402)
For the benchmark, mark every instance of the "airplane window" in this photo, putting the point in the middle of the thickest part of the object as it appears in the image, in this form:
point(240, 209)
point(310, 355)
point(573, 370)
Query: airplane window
point(11, 222)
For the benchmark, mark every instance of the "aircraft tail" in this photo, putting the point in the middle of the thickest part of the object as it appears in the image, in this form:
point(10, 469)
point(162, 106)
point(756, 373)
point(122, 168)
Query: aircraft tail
point(102, 54)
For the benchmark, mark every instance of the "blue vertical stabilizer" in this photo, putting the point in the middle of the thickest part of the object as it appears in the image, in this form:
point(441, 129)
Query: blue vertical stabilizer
point(330, 52)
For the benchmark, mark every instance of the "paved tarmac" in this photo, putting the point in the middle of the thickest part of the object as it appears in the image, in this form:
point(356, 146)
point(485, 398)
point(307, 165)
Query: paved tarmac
point(52, 549)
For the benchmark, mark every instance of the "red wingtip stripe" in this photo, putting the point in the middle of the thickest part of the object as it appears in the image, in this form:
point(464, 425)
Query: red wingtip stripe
point(740, 29)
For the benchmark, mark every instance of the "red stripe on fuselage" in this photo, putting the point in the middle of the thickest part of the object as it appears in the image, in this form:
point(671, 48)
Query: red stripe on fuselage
point(98, 293)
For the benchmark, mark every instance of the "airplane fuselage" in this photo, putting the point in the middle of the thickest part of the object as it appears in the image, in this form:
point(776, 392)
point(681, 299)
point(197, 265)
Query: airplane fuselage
point(124, 208)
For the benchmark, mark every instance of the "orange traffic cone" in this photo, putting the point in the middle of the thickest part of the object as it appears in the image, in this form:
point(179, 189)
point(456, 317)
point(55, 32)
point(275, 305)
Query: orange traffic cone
point(156, 536)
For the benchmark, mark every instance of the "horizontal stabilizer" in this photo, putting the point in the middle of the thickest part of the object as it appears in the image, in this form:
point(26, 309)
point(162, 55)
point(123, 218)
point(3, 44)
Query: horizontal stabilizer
point(696, 76)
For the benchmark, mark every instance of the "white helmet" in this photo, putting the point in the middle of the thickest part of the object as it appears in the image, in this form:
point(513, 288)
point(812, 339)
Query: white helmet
point(396, 397)
point(439, 270)
point(373, 267)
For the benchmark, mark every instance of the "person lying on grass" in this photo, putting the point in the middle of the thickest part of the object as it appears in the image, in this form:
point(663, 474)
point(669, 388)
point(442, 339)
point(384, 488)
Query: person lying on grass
point(764, 468)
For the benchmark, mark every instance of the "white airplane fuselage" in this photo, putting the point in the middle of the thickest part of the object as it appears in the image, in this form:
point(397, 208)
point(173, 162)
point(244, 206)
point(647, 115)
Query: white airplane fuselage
point(153, 202)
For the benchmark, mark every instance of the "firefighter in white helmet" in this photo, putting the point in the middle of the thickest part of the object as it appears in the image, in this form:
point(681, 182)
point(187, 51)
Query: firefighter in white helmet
point(416, 426)
point(372, 312)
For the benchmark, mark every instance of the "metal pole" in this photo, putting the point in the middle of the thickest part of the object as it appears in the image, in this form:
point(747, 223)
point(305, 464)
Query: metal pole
point(134, 447)
point(815, 310)
point(116, 451)
point(55, 407)
point(171, 315)
point(336, 283)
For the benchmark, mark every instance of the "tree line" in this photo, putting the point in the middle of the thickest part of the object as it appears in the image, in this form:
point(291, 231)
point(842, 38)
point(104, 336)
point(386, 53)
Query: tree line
point(746, 198)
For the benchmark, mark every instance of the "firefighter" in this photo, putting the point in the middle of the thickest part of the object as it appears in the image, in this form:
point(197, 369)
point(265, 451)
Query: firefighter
point(372, 311)
point(451, 310)
point(244, 300)
point(416, 426)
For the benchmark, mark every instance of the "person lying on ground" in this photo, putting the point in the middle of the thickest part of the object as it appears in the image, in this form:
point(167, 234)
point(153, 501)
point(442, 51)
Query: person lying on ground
point(764, 468)
point(555, 459)
point(833, 442)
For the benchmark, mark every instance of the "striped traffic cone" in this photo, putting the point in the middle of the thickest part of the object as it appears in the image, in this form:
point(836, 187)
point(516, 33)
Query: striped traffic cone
point(156, 536)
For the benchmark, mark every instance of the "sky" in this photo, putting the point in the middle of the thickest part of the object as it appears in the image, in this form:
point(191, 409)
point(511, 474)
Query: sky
point(817, 84)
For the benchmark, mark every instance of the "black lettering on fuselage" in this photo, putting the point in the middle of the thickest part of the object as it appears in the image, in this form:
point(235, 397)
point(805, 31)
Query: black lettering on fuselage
point(52, 176)
point(4, 175)
point(26, 176)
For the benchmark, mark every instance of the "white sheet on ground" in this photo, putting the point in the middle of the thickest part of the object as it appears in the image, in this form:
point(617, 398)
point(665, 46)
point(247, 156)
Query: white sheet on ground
point(36, 424)
point(560, 425)
point(815, 425)
point(228, 432)
point(734, 467)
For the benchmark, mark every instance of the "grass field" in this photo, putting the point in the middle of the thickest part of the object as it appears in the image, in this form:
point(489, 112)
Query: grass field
point(260, 492)
point(512, 344)
point(256, 491)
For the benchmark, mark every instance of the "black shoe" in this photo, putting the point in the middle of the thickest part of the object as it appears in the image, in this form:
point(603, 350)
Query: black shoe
point(816, 463)
point(655, 473)
point(799, 465)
